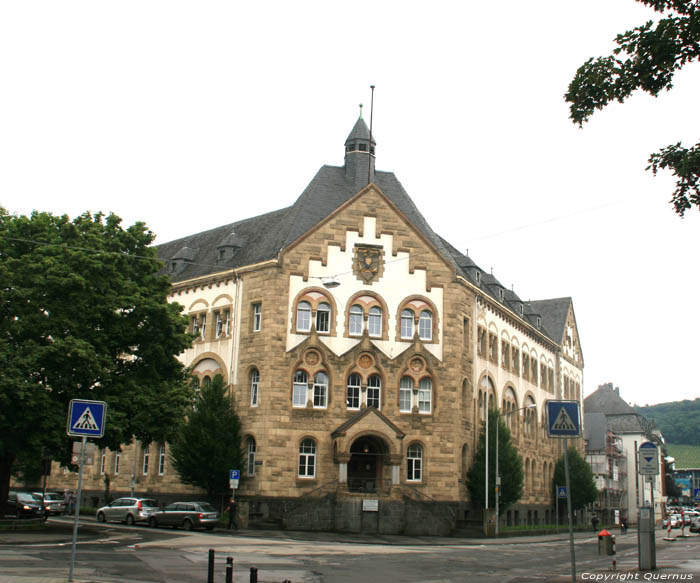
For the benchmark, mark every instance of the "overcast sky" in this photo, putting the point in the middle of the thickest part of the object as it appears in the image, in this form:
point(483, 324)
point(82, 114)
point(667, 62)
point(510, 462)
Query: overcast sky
point(190, 115)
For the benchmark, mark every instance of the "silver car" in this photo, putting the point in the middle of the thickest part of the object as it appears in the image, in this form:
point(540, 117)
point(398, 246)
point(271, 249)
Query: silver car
point(129, 510)
point(55, 502)
point(188, 515)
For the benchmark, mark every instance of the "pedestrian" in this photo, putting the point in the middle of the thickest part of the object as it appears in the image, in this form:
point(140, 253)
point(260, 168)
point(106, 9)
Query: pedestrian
point(623, 524)
point(594, 522)
point(231, 508)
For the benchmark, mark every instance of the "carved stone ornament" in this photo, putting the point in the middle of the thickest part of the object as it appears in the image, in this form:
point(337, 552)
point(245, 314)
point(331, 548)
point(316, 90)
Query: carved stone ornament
point(365, 361)
point(311, 358)
point(368, 262)
point(417, 365)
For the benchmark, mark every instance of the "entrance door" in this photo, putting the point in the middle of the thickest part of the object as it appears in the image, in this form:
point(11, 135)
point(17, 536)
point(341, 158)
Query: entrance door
point(366, 464)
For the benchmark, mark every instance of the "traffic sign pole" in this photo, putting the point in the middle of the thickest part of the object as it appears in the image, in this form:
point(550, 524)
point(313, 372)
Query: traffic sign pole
point(568, 509)
point(77, 508)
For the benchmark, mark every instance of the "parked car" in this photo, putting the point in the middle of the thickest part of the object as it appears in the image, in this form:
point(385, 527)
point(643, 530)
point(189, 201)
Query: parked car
point(129, 510)
point(188, 515)
point(24, 505)
point(695, 523)
point(55, 501)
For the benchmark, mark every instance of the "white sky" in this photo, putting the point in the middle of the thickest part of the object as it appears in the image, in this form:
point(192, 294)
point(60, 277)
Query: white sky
point(190, 115)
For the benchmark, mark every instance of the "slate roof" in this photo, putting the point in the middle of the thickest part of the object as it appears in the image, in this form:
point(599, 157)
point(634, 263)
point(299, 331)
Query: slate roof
point(262, 238)
point(621, 416)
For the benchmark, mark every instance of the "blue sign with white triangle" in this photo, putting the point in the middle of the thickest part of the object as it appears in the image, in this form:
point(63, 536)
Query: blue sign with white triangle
point(563, 419)
point(86, 418)
point(696, 493)
point(561, 491)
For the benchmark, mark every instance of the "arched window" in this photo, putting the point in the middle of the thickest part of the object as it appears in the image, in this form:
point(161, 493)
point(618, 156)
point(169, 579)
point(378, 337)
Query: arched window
point(254, 382)
point(301, 387)
point(414, 462)
point(356, 317)
point(206, 382)
point(374, 391)
point(406, 324)
point(425, 325)
point(251, 456)
point(374, 323)
point(425, 395)
point(323, 317)
point(406, 395)
point(146, 457)
point(321, 390)
point(303, 317)
point(161, 460)
point(353, 391)
point(307, 459)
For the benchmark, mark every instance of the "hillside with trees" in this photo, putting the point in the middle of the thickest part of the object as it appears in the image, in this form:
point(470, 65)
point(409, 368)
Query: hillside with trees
point(679, 421)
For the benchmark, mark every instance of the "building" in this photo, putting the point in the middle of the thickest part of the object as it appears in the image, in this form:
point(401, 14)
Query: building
point(361, 348)
point(622, 432)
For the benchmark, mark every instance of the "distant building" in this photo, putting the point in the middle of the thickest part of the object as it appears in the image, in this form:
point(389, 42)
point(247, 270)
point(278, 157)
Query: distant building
point(613, 445)
point(686, 471)
point(361, 350)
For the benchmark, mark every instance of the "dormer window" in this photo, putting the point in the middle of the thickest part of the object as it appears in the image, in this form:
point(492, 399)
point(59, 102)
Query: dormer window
point(500, 295)
point(539, 321)
point(363, 147)
point(478, 277)
point(520, 309)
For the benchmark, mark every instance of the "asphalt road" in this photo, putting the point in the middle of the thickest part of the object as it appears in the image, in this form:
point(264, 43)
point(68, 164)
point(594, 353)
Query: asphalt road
point(116, 553)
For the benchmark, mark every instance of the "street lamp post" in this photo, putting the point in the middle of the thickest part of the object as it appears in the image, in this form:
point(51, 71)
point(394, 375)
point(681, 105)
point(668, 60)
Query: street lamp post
point(498, 477)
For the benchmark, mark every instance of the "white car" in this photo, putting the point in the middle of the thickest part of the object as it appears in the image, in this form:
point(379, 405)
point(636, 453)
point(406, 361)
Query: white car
point(129, 510)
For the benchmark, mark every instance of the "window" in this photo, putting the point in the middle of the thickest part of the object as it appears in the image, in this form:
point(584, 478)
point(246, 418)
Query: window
point(353, 391)
point(257, 317)
point(206, 382)
point(320, 389)
point(303, 317)
point(425, 325)
point(254, 382)
point(307, 459)
point(323, 317)
point(515, 359)
point(405, 394)
point(251, 456)
point(414, 462)
point(161, 460)
point(117, 459)
point(375, 321)
point(103, 461)
point(227, 322)
point(355, 324)
point(493, 348)
point(203, 326)
point(219, 324)
point(374, 391)
point(406, 324)
point(425, 395)
point(146, 456)
point(505, 354)
point(301, 388)
point(481, 341)
point(526, 367)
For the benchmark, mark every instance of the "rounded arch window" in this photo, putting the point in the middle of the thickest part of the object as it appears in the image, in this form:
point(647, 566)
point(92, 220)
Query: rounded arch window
point(374, 322)
point(303, 316)
point(414, 462)
point(250, 447)
point(352, 397)
point(321, 390)
point(406, 394)
point(425, 325)
point(307, 459)
point(374, 391)
point(355, 323)
point(323, 317)
point(300, 389)
point(254, 384)
point(425, 395)
point(406, 324)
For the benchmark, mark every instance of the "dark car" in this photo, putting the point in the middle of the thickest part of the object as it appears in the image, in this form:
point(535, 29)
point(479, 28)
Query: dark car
point(24, 505)
point(188, 515)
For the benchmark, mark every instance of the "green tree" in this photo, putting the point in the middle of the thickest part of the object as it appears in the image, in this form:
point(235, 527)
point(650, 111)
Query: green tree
point(582, 484)
point(510, 466)
point(84, 315)
point(647, 58)
point(209, 444)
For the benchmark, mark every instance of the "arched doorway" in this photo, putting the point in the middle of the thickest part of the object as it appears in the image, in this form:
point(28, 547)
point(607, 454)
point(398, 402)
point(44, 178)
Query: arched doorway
point(366, 465)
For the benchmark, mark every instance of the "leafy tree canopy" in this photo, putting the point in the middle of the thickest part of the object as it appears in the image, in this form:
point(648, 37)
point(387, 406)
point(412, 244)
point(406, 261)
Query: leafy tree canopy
point(209, 444)
point(582, 483)
point(510, 466)
point(84, 315)
point(646, 58)
point(678, 421)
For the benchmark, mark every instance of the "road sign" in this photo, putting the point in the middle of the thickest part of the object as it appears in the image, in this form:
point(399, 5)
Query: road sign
point(648, 459)
point(696, 493)
point(86, 418)
point(563, 419)
point(233, 477)
point(561, 492)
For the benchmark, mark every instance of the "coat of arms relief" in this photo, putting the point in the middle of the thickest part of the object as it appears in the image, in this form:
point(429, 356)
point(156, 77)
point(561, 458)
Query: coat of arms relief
point(369, 262)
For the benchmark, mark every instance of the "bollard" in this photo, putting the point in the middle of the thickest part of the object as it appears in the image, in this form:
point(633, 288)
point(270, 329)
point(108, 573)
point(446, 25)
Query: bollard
point(210, 572)
point(229, 569)
point(253, 575)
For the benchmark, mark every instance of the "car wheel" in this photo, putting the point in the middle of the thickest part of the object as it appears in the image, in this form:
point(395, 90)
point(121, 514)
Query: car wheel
point(101, 517)
point(152, 522)
point(187, 524)
point(129, 519)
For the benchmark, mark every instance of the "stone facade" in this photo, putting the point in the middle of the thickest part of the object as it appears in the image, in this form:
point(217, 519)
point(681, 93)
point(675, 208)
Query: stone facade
point(361, 403)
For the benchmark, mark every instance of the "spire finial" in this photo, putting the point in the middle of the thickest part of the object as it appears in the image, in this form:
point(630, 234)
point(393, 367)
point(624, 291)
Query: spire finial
point(360, 110)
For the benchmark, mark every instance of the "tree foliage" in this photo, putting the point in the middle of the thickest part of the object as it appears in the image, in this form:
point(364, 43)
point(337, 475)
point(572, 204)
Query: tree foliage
point(646, 58)
point(209, 444)
point(84, 315)
point(678, 421)
point(581, 481)
point(510, 466)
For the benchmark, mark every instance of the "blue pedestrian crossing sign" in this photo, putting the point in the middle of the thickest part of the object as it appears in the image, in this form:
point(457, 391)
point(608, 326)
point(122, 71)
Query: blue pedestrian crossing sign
point(561, 491)
point(696, 493)
point(86, 418)
point(563, 419)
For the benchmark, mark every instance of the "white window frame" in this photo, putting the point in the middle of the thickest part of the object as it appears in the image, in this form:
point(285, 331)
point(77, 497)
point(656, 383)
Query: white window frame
point(414, 463)
point(320, 395)
point(251, 455)
point(407, 322)
point(406, 395)
point(227, 321)
point(300, 388)
point(103, 461)
point(161, 460)
point(257, 317)
point(374, 322)
point(355, 327)
point(425, 325)
point(203, 328)
point(307, 459)
point(303, 316)
point(146, 459)
point(117, 460)
point(353, 391)
point(425, 395)
point(254, 386)
point(374, 389)
point(323, 324)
